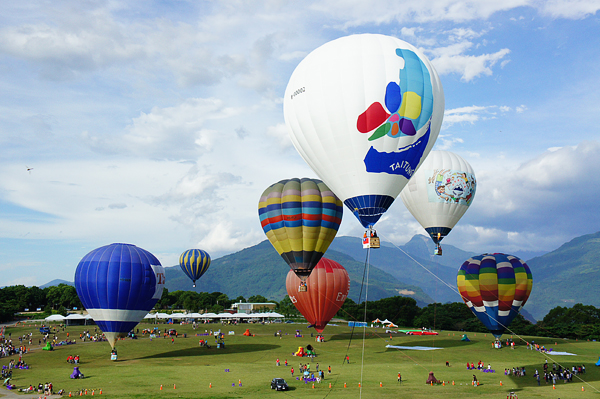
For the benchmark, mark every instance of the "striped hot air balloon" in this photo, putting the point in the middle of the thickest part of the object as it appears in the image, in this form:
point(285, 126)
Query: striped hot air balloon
point(119, 284)
point(300, 218)
point(495, 287)
point(194, 263)
point(328, 287)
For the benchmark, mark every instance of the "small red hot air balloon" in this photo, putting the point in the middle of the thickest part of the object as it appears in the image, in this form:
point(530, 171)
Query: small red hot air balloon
point(328, 287)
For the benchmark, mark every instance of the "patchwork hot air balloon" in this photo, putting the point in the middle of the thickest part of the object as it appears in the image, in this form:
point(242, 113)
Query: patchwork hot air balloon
point(194, 263)
point(440, 193)
point(300, 218)
point(118, 284)
point(495, 287)
point(328, 287)
point(364, 111)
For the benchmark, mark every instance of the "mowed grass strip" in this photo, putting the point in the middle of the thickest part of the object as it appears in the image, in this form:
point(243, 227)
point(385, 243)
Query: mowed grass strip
point(186, 370)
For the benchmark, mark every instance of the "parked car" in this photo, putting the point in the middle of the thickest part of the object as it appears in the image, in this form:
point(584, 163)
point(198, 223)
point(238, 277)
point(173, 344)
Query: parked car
point(279, 384)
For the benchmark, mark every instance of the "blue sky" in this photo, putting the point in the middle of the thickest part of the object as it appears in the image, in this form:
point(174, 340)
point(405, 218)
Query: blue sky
point(160, 123)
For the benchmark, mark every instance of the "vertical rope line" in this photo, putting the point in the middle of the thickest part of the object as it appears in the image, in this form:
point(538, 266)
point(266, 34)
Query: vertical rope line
point(362, 365)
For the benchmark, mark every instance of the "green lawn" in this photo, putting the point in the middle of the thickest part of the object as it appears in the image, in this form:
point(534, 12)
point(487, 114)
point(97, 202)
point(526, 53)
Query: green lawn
point(145, 365)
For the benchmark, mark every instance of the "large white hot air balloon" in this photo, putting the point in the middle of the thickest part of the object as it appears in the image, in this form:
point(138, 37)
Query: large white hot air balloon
point(364, 111)
point(440, 193)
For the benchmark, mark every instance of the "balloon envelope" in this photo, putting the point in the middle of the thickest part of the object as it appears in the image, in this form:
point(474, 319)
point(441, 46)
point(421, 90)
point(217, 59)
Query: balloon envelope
point(300, 218)
point(495, 287)
point(364, 111)
point(194, 263)
point(119, 284)
point(327, 289)
point(440, 192)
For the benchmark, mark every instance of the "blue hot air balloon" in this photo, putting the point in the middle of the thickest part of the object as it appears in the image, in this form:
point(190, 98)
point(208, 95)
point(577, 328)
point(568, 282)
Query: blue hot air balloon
point(194, 263)
point(118, 284)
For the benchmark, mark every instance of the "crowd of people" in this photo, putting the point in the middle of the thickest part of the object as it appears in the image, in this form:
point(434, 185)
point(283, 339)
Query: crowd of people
point(480, 366)
point(558, 373)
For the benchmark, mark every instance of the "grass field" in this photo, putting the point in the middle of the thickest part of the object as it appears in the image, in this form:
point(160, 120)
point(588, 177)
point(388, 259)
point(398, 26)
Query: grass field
point(185, 370)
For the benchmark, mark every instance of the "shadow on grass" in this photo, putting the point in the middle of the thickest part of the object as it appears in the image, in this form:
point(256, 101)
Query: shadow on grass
point(229, 349)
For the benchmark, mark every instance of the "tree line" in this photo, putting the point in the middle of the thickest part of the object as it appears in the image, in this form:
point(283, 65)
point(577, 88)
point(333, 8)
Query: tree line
point(577, 322)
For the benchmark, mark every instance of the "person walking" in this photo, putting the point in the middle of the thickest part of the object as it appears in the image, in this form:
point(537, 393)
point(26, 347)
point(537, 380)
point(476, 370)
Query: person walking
point(399, 377)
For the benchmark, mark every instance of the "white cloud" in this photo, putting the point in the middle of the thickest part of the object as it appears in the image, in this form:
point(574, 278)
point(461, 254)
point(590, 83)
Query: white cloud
point(172, 132)
point(571, 9)
point(451, 60)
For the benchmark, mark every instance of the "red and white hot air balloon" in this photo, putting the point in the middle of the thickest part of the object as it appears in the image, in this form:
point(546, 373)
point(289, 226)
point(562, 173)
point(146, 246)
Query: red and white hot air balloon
point(328, 287)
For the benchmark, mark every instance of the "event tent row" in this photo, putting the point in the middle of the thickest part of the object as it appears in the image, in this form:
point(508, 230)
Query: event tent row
point(220, 316)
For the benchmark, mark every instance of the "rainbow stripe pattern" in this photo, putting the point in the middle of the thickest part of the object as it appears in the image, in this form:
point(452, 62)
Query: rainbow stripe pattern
point(300, 218)
point(495, 287)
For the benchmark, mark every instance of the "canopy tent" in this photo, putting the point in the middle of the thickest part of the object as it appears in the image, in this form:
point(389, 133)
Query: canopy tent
point(376, 320)
point(386, 321)
point(55, 317)
point(392, 325)
point(77, 319)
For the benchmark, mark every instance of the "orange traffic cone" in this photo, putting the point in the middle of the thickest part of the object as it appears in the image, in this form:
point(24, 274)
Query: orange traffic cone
point(452, 382)
point(100, 391)
point(500, 383)
point(344, 385)
point(477, 383)
point(69, 394)
point(553, 386)
point(582, 390)
point(313, 386)
point(174, 387)
point(93, 392)
point(161, 387)
point(359, 384)
point(330, 385)
point(86, 391)
point(443, 383)
point(431, 383)
point(210, 385)
point(380, 384)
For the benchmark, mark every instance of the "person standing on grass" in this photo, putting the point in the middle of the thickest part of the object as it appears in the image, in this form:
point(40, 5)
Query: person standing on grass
point(399, 377)
point(292, 371)
point(329, 370)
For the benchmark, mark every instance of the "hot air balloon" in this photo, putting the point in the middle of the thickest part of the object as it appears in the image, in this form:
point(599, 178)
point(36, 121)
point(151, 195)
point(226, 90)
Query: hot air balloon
point(328, 287)
point(495, 287)
point(194, 263)
point(119, 284)
point(364, 111)
point(300, 218)
point(440, 193)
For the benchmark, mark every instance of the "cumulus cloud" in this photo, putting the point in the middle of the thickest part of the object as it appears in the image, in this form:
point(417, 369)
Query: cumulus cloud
point(572, 9)
point(452, 60)
point(172, 132)
point(556, 190)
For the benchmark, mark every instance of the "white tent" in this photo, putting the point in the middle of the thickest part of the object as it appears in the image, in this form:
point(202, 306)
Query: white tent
point(75, 316)
point(55, 317)
point(386, 321)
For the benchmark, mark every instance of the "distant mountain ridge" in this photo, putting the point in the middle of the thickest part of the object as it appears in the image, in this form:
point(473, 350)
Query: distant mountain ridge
point(563, 277)
point(566, 276)
point(260, 270)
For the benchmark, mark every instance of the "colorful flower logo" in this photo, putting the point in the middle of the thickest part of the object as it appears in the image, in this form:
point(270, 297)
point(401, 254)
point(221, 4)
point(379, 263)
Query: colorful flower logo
point(408, 103)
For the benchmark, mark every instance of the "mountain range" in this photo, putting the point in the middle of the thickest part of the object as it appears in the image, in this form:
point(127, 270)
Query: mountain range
point(563, 277)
